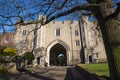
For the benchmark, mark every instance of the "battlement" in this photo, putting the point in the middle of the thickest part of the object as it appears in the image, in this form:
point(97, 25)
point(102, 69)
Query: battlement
point(43, 17)
point(64, 22)
point(67, 21)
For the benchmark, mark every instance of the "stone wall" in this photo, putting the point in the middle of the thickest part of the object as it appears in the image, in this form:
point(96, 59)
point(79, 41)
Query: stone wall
point(69, 37)
point(23, 38)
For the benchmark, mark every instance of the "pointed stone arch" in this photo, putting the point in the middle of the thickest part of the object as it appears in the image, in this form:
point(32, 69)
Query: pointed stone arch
point(61, 43)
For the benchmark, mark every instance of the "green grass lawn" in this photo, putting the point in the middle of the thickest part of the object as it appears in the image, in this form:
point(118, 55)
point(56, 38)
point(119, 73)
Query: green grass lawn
point(101, 69)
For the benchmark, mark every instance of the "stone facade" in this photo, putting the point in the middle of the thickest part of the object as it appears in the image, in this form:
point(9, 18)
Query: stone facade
point(23, 38)
point(58, 37)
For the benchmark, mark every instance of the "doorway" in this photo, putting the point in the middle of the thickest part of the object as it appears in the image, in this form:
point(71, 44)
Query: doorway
point(90, 59)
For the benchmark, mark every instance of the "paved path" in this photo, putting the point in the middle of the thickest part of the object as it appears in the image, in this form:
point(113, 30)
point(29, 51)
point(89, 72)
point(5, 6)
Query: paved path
point(48, 73)
point(54, 73)
point(51, 73)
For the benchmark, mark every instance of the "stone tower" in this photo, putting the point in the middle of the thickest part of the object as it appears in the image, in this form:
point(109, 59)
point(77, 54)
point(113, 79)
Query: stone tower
point(92, 42)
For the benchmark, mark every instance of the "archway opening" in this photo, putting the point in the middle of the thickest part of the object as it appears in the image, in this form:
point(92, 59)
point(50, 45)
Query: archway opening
point(58, 55)
point(90, 59)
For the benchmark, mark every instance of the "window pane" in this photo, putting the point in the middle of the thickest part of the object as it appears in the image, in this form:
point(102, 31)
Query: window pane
point(77, 43)
point(24, 32)
point(57, 32)
point(6, 40)
point(76, 32)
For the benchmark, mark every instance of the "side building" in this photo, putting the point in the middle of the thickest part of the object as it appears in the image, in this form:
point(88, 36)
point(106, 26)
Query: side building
point(58, 38)
point(6, 39)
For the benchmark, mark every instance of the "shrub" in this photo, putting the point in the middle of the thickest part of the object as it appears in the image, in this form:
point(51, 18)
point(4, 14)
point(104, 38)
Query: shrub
point(3, 69)
point(9, 51)
point(1, 50)
point(29, 57)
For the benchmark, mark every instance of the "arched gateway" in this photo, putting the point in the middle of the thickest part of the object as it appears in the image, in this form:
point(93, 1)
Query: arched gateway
point(58, 53)
point(59, 39)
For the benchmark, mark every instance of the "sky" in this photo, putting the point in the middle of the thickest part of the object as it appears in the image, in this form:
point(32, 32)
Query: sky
point(7, 29)
point(11, 29)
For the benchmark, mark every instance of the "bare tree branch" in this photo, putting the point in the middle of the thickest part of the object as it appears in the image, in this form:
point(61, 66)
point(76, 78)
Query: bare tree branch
point(115, 14)
point(52, 12)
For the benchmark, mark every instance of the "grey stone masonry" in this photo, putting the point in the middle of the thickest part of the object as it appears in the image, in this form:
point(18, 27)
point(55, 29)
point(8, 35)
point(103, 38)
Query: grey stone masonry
point(68, 37)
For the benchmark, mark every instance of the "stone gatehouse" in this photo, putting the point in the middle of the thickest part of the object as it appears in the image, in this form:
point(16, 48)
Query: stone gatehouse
point(76, 40)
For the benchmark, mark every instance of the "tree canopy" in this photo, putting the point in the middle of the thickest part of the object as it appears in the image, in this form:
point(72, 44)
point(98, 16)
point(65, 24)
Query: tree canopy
point(22, 10)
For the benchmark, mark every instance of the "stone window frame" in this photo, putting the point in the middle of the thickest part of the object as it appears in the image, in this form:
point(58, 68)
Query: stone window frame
point(77, 43)
point(96, 55)
point(6, 39)
point(24, 32)
point(76, 32)
point(57, 32)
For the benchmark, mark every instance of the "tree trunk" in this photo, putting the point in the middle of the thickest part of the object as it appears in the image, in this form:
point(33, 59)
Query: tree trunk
point(111, 35)
point(112, 49)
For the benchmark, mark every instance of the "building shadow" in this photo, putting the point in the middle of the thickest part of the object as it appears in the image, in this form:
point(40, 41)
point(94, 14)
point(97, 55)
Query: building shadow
point(68, 74)
point(82, 55)
point(90, 76)
point(35, 75)
point(73, 74)
point(78, 73)
point(24, 75)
